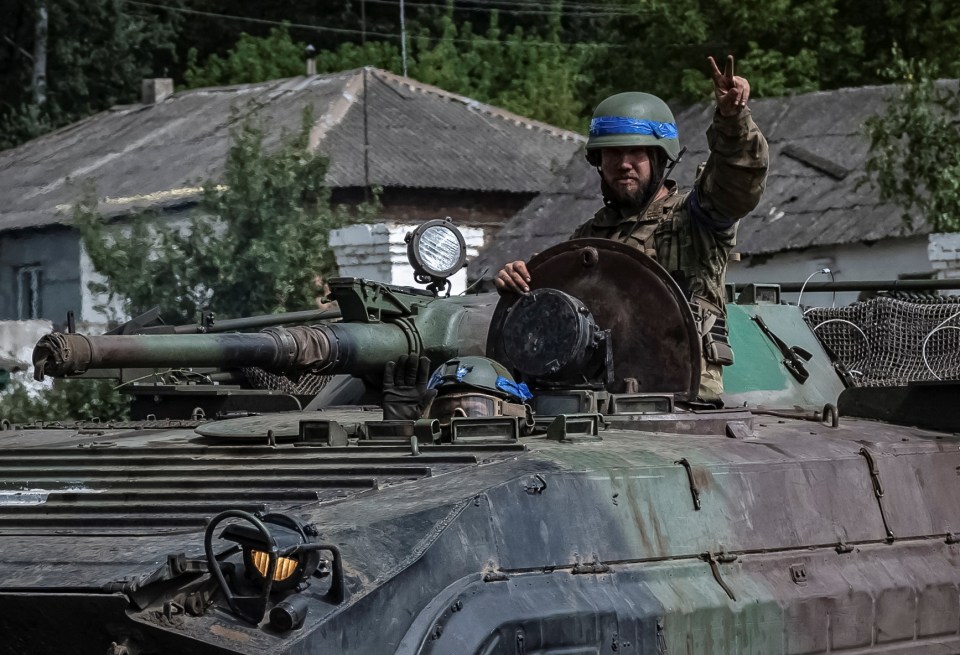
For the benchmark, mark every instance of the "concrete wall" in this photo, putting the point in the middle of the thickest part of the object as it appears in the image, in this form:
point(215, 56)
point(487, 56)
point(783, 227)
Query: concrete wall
point(57, 253)
point(884, 260)
point(378, 252)
point(943, 250)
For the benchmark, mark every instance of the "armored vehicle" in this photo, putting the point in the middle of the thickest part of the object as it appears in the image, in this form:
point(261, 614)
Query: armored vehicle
point(609, 513)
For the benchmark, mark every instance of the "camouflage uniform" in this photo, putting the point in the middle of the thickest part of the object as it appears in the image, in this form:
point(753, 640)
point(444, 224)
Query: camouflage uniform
point(691, 234)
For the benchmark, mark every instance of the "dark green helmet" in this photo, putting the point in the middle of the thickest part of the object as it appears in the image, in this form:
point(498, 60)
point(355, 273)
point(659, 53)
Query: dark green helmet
point(478, 373)
point(632, 119)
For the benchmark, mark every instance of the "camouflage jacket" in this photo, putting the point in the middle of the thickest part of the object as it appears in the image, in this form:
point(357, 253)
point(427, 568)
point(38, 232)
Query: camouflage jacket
point(691, 234)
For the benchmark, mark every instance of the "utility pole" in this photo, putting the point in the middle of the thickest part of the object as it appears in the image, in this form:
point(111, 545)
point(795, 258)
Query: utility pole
point(403, 40)
point(363, 22)
point(40, 55)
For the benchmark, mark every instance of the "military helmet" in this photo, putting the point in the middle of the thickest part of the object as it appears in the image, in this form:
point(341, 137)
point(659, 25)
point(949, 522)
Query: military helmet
point(478, 373)
point(632, 119)
point(476, 387)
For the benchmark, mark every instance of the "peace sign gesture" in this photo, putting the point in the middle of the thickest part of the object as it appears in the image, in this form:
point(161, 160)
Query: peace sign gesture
point(731, 91)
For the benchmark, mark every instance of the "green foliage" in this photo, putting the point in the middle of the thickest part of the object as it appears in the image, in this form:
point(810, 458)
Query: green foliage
point(66, 400)
point(98, 51)
point(527, 73)
point(252, 59)
point(552, 61)
point(256, 244)
point(380, 54)
point(781, 46)
point(914, 156)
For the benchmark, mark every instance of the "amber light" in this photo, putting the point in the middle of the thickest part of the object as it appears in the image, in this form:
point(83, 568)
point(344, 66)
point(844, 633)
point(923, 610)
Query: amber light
point(286, 566)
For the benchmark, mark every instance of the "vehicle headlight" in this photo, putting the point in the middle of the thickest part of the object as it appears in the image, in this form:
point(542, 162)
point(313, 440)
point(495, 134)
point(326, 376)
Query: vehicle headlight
point(295, 559)
point(436, 250)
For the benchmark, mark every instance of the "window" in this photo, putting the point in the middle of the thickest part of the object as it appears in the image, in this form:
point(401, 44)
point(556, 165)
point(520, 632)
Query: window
point(29, 282)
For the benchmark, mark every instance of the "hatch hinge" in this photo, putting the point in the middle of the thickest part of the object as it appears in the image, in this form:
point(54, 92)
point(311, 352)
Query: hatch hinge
point(877, 490)
point(591, 568)
point(495, 576)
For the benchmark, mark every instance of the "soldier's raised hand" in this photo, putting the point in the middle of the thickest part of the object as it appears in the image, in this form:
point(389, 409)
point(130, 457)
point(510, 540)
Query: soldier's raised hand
point(406, 396)
point(732, 92)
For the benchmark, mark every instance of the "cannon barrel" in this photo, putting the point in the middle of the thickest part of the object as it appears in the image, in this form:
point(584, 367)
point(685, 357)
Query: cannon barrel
point(439, 330)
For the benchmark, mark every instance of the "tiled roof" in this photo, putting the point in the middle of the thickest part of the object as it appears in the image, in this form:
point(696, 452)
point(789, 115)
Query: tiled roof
point(147, 155)
point(815, 192)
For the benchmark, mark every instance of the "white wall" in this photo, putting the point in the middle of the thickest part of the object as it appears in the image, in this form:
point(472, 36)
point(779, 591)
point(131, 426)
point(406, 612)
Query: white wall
point(96, 309)
point(884, 260)
point(17, 339)
point(378, 252)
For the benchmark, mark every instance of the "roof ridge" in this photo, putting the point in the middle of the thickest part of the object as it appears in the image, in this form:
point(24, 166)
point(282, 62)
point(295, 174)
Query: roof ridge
point(491, 110)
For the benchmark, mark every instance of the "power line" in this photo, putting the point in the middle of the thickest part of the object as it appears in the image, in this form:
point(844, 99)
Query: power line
point(582, 11)
point(260, 21)
point(344, 30)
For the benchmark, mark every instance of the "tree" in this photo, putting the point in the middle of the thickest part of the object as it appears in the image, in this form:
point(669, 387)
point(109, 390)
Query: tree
point(914, 158)
point(257, 243)
point(252, 59)
point(98, 51)
point(527, 73)
point(781, 46)
point(67, 400)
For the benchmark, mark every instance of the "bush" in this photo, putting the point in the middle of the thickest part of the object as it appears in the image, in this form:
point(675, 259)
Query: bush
point(66, 400)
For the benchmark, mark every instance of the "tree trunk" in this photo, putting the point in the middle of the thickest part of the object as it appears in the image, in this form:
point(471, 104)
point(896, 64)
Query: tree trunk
point(40, 55)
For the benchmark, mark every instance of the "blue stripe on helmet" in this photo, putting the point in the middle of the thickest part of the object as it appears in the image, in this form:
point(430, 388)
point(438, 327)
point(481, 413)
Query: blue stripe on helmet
point(517, 390)
point(604, 125)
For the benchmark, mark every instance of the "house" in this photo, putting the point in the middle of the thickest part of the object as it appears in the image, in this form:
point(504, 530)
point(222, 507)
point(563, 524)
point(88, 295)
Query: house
point(816, 213)
point(434, 154)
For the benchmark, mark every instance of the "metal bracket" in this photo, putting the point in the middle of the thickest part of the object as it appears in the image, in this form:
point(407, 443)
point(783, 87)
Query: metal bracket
point(794, 356)
point(571, 428)
point(535, 485)
point(592, 568)
point(714, 560)
point(843, 548)
point(495, 576)
point(877, 490)
point(693, 483)
point(326, 432)
point(798, 573)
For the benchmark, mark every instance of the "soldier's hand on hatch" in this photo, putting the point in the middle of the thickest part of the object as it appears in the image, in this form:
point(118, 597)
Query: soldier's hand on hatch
point(732, 92)
point(513, 278)
point(405, 393)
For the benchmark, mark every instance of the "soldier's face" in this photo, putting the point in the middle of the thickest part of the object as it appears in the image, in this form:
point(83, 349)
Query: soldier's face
point(628, 172)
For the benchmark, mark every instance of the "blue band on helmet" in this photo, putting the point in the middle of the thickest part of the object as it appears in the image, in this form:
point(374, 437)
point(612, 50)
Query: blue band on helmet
point(605, 125)
point(514, 389)
point(439, 377)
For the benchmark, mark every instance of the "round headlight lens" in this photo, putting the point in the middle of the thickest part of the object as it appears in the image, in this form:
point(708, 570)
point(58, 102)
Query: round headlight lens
point(436, 250)
point(439, 249)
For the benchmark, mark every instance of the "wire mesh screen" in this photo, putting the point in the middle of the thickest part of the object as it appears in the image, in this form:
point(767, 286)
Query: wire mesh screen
point(888, 341)
point(304, 384)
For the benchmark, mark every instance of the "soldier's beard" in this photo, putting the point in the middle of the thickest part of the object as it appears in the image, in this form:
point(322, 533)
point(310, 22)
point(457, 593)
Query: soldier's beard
point(632, 201)
point(636, 201)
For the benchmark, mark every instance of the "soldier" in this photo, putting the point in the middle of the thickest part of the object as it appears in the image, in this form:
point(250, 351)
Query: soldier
point(632, 137)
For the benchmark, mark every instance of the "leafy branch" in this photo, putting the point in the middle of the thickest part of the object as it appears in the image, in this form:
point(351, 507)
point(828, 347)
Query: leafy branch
point(914, 158)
